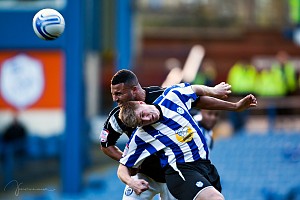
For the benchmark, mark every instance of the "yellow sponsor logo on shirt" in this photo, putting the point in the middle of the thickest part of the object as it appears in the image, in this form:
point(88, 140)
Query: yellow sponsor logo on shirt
point(184, 134)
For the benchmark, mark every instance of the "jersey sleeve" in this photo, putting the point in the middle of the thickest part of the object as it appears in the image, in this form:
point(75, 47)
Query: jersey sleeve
point(113, 129)
point(181, 94)
point(109, 136)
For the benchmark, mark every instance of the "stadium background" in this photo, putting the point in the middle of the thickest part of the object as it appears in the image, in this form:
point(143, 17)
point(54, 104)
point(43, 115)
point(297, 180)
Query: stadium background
point(63, 159)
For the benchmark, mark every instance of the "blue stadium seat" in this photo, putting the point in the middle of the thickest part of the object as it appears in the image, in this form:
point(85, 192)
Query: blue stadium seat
point(251, 165)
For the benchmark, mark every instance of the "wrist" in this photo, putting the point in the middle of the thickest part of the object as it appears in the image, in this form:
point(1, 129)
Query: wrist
point(130, 182)
point(237, 107)
point(209, 91)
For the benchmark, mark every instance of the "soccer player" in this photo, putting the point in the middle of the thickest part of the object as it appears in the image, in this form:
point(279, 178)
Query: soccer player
point(167, 128)
point(125, 87)
point(207, 119)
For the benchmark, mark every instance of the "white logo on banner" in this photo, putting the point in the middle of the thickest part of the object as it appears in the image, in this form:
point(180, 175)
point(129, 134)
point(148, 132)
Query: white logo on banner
point(21, 81)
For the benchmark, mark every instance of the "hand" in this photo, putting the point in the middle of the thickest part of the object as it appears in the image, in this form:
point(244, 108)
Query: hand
point(138, 185)
point(222, 90)
point(246, 102)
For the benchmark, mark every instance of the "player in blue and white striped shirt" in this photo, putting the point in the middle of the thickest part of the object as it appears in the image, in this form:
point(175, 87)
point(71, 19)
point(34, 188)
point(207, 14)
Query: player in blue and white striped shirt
point(167, 128)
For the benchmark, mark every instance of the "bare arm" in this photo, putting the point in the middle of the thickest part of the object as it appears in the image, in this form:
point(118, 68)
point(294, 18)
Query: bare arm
point(112, 151)
point(211, 103)
point(138, 185)
point(222, 90)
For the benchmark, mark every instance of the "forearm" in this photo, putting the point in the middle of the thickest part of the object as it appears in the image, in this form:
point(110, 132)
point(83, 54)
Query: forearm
point(202, 90)
point(112, 151)
point(124, 174)
point(138, 185)
point(211, 103)
point(222, 90)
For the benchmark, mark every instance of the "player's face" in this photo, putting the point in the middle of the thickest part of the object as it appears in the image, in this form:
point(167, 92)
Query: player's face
point(209, 118)
point(147, 114)
point(121, 93)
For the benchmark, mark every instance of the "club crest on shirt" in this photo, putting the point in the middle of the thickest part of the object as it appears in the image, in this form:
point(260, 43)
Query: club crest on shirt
point(180, 110)
point(128, 191)
point(199, 184)
point(184, 134)
point(103, 135)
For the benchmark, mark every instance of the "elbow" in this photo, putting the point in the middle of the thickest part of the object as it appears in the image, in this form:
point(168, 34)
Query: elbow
point(106, 151)
point(103, 149)
point(119, 173)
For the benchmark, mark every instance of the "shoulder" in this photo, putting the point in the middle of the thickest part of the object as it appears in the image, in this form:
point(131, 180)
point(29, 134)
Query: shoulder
point(113, 122)
point(179, 89)
point(152, 93)
point(177, 86)
point(113, 113)
point(153, 89)
point(113, 117)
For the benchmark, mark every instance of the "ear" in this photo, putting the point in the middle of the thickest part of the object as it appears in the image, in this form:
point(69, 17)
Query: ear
point(134, 88)
point(134, 92)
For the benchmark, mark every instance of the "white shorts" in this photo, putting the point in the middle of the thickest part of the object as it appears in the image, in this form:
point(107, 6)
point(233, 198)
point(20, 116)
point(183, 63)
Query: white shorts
point(154, 189)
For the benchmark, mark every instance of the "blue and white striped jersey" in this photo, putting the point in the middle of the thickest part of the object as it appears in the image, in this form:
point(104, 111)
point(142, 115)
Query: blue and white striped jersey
point(176, 137)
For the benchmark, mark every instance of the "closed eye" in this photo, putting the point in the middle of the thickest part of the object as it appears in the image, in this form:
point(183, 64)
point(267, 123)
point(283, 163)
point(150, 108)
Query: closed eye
point(141, 115)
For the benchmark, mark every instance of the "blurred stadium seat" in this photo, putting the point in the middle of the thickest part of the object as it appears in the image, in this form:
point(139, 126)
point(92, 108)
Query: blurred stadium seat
point(254, 166)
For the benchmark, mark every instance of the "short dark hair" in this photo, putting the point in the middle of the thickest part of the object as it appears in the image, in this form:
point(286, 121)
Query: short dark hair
point(125, 76)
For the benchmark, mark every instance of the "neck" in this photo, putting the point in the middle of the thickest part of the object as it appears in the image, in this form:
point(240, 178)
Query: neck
point(159, 111)
point(141, 94)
